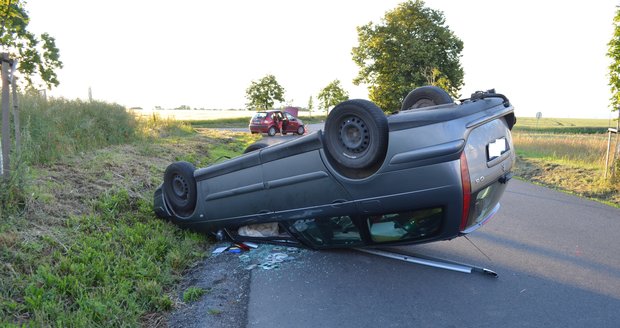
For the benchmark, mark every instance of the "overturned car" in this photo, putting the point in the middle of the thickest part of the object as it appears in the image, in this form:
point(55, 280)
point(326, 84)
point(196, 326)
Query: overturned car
point(433, 171)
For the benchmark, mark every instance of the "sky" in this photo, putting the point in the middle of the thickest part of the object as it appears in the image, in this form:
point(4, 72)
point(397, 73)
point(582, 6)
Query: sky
point(546, 56)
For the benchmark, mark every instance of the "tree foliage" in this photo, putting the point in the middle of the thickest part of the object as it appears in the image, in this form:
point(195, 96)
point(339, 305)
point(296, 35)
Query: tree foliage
point(332, 95)
point(410, 47)
point(38, 56)
point(262, 94)
point(614, 69)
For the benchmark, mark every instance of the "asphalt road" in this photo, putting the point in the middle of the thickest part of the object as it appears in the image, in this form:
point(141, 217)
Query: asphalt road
point(557, 256)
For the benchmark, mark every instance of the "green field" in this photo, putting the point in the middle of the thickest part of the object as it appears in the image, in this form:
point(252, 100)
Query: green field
point(564, 125)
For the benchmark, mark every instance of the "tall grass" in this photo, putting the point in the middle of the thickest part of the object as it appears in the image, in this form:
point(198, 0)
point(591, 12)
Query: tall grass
point(59, 127)
point(586, 150)
point(56, 128)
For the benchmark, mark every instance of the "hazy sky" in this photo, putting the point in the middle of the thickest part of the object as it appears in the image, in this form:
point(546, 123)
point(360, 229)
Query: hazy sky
point(545, 55)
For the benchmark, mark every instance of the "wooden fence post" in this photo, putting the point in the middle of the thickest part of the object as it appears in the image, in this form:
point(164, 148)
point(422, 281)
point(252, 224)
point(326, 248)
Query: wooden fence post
point(617, 148)
point(18, 132)
point(6, 139)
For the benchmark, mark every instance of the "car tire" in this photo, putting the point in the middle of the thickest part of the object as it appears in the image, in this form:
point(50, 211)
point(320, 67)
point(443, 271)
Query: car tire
point(255, 146)
point(272, 131)
point(425, 97)
point(356, 134)
point(301, 130)
point(180, 188)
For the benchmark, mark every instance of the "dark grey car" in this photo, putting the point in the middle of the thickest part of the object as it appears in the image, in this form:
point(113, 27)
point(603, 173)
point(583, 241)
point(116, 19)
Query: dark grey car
point(433, 171)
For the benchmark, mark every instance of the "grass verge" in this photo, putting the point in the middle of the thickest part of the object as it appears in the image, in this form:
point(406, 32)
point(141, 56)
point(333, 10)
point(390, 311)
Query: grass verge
point(572, 162)
point(85, 249)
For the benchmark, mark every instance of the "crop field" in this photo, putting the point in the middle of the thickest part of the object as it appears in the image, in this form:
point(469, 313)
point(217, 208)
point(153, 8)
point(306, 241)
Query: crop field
point(564, 125)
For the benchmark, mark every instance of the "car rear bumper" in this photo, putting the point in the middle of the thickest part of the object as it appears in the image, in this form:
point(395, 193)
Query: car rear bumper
point(254, 128)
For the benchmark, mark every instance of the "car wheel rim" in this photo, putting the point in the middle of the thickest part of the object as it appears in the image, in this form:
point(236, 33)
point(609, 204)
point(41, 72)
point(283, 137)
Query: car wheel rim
point(354, 135)
point(180, 188)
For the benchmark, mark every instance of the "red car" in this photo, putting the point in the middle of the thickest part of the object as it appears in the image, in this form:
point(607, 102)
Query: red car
point(274, 121)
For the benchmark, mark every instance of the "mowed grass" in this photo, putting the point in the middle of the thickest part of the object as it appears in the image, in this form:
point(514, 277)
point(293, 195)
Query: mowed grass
point(567, 154)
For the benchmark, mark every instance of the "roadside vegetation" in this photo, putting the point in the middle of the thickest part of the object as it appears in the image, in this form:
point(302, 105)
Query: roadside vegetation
point(79, 243)
point(566, 154)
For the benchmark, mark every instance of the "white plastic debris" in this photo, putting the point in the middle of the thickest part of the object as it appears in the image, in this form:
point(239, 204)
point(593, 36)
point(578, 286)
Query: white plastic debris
point(219, 250)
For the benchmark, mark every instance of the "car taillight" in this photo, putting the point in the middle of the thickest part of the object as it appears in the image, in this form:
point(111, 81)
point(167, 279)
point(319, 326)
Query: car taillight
point(481, 205)
point(485, 203)
point(466, 182)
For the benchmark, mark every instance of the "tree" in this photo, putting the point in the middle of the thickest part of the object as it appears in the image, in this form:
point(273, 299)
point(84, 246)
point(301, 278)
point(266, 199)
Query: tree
point(38, 57)
point(310, 105)
point(614, 69)
point(614, 82)
point(332, 95)
point(261, 94)
point(410, 47)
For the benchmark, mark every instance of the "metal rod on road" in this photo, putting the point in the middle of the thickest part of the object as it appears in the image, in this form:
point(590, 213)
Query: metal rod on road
point(435, 263)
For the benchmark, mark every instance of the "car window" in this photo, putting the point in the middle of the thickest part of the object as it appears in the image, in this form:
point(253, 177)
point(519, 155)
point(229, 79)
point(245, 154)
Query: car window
point(260, 115)
point(405, 226)
point(334, 231)
point(289, 116)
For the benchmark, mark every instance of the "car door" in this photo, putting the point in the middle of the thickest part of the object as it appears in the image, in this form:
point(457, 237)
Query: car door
point(293, 123)
point(298, 183)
